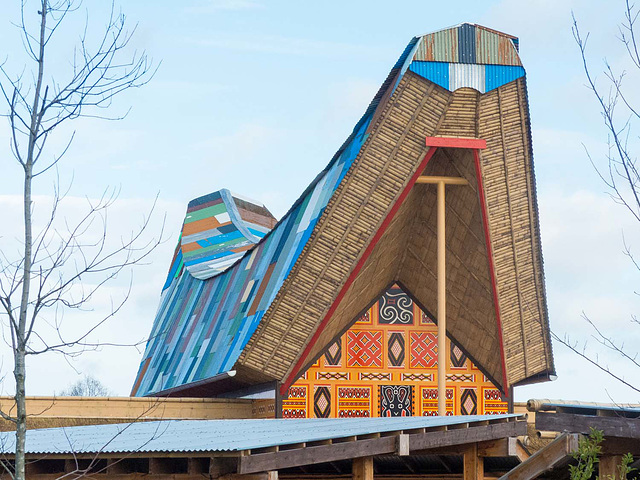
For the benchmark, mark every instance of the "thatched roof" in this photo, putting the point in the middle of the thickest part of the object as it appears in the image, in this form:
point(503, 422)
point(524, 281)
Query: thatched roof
point(363, 224)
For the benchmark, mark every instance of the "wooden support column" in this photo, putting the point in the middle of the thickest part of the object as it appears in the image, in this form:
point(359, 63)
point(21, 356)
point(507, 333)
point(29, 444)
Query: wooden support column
point(442, 305)
point(441, 182)
point(609, 467)
point(473, 464)
point(362, 468)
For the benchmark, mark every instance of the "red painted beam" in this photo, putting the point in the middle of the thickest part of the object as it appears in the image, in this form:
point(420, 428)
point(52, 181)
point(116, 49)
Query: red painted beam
point(451, 142)
point(354, 273)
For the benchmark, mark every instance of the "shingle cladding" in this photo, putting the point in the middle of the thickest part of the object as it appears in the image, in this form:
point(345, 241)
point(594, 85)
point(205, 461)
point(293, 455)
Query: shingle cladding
point(203, 326)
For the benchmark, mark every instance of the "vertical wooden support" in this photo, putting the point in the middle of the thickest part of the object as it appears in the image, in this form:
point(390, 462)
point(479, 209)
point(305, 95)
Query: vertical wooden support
point(473, 464)
point(608, 467)
point(362, 468)
point(278, 400)
point(442, 304)
point(441, 182)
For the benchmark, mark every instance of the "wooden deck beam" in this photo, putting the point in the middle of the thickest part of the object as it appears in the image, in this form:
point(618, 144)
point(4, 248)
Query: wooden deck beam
point(571, 422)
point(545, 458)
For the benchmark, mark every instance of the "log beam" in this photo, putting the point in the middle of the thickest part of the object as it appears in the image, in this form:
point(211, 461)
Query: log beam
point(610, 426)
point(544, 459)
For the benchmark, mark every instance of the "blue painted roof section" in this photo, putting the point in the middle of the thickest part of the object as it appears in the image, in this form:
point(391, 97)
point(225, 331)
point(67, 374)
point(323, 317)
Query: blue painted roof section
point(214, 435)
point(452, 76)
point(203, 325)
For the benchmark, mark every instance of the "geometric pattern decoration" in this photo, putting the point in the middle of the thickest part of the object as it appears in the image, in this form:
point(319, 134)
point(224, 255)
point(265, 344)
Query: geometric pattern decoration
point(365, 318)
point(424, 350)
point(322, 402)
point(364, 349)
point(332, 376)
point(458, 358)
point(371, 368)
point(426, 319)
point(333, 354)
point(417, 377)
point(395, 349)
point(295, 406)
point(492, 401)
point(429, 397)
point(395, 307)
point(354, 401)
point(379, 376)
point(396, 400)
point(469, 401)
point(461, 377)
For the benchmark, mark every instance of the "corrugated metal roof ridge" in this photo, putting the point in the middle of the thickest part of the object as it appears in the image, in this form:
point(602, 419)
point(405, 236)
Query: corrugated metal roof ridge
point(497, 32)
point(217, 435)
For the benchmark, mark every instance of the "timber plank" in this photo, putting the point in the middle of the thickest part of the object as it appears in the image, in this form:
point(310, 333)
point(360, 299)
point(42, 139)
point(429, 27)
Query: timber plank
point(610, 426)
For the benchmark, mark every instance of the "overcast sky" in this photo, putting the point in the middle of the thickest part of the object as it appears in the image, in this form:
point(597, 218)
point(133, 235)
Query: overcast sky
point(256, 96)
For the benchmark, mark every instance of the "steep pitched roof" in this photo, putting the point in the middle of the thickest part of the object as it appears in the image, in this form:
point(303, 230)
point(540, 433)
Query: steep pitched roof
point(362, 224)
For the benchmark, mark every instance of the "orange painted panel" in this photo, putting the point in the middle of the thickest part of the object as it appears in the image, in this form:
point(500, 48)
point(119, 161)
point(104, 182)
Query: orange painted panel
point(386, 365)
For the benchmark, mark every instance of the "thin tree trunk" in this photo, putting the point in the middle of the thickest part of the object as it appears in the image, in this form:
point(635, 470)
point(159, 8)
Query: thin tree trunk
point(21, 336)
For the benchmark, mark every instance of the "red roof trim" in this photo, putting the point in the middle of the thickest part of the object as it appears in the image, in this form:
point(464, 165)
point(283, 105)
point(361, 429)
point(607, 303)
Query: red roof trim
point(451, 142)
point(485, 225)
point(354, 273)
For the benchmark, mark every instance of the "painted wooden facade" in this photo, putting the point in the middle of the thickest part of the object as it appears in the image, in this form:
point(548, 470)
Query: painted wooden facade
point(386, 365)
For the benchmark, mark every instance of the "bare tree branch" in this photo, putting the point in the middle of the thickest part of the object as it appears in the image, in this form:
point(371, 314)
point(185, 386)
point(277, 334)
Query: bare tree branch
point(63, 265)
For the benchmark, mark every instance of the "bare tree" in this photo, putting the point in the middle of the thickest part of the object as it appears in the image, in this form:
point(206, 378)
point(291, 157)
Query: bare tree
point(61, 266)
point(87, 386)
point(615, 92)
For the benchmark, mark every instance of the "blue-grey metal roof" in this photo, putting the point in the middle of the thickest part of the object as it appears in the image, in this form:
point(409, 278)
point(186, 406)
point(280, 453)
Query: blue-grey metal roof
point(214, 435)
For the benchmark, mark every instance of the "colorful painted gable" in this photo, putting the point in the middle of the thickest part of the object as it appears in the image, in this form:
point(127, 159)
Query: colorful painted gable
point(386, 365)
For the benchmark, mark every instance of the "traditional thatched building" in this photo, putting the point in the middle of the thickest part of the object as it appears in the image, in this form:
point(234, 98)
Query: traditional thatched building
point(337, 306)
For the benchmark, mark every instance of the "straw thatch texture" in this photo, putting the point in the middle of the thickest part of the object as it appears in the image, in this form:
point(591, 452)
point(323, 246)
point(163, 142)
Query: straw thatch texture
point(406, 252)
point(471, 318)
point(507, 169)
point(390, 156)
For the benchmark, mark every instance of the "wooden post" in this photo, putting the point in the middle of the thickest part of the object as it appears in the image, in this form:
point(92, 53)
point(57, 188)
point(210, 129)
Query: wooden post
point(442, 283)
point(608, 467)
point(473, 464)
point(442, 305)
point(362, 468)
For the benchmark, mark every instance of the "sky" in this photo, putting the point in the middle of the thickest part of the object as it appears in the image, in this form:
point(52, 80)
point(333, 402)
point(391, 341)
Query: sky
point(256, 96)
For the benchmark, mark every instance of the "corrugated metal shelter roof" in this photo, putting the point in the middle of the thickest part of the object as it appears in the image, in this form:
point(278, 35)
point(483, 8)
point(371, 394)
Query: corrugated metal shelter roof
point(215, 435)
